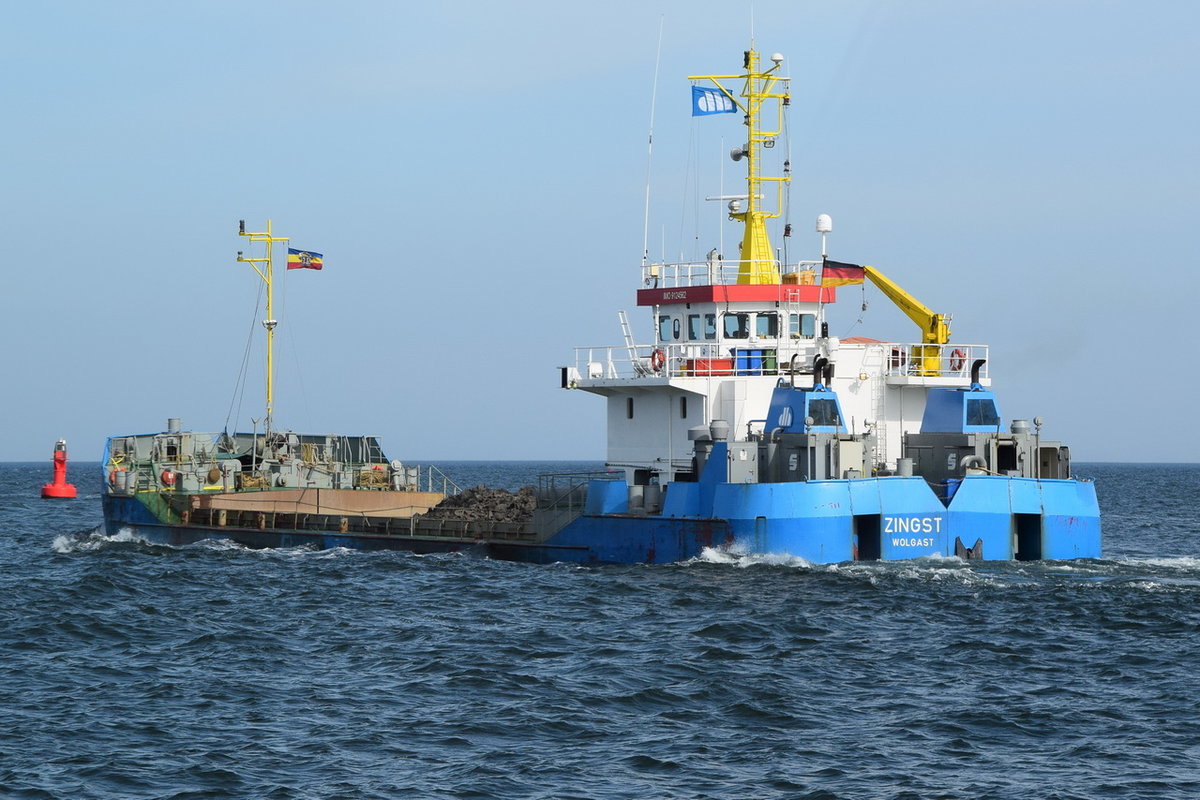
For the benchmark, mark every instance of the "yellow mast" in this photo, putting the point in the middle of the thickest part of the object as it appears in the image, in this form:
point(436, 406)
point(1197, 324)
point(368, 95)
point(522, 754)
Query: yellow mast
point(757, 262)
point(269, 323)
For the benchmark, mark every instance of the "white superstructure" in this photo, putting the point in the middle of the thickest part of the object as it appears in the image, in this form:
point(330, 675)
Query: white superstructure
point(727, 332)
point(719, 350)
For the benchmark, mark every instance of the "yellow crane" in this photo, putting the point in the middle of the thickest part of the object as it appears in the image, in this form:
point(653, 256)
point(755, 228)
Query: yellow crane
point(935, 328)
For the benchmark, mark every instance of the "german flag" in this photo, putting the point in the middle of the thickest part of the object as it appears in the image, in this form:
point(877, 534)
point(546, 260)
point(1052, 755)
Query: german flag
point(835, 273)
point(304, 259)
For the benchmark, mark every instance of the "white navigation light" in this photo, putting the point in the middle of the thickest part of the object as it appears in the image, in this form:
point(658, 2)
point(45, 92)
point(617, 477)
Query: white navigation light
point(735, 206)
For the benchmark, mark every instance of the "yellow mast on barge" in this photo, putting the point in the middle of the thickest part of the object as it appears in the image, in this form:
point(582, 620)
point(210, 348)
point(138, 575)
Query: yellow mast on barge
point(267, 274)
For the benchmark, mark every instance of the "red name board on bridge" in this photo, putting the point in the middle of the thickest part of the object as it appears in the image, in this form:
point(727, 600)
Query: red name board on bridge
point(738, 293)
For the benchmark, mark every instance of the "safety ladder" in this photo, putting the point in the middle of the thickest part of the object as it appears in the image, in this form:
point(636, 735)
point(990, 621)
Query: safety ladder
point(627, 332)
point(875, 363)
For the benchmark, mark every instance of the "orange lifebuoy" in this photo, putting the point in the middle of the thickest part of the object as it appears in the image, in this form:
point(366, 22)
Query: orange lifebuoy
point(168, 477)
point(658, 359)
point(957, 359)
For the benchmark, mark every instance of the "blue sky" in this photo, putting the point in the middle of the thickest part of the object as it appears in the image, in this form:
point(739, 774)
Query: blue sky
point(475, 176)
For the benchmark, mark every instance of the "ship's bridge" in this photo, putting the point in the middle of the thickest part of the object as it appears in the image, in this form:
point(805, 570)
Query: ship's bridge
point(709, 325)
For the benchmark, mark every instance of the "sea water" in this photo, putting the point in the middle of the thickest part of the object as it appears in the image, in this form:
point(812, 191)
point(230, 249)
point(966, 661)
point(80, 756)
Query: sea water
point(130, 670)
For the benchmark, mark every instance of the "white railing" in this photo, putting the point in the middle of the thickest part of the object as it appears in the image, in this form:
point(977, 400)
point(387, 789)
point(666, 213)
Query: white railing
point(764, 357)
point(694, 359)
point(716, 272)
point(933, 361)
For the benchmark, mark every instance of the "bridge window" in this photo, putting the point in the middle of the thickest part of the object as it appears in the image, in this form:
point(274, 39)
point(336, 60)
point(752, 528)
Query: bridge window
point(664, 328)
point(629, 408)
point(683, 407)
point(697, 330)
point(802, 326)
point(737, 326)
point(766, 326)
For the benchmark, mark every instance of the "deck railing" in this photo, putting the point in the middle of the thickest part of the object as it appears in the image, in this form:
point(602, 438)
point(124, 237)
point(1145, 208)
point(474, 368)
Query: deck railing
point(434, 477)
point(137, 476)
point(568, 491)
point(718, 272)
point(766, 357)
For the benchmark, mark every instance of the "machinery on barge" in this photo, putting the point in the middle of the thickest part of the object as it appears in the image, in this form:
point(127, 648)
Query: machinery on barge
point(743, 425)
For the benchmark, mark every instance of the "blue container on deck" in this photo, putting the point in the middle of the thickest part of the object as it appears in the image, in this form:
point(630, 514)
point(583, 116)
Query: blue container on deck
point(748, 361)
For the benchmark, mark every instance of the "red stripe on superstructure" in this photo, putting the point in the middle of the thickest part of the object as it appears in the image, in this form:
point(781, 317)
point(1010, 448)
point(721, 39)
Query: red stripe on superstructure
point(738, 293)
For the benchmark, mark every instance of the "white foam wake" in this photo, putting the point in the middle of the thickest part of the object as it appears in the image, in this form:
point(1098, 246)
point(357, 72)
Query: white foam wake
point(89, 540)
point(737, 558)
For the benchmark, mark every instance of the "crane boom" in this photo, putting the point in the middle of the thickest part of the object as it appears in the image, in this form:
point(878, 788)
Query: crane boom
point(935, 328)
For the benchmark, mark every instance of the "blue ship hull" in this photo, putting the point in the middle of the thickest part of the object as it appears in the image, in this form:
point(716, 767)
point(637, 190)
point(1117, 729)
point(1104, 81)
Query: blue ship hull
point(889, 518)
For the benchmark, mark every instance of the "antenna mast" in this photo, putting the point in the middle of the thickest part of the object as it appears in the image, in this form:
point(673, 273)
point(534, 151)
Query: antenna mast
point(266, 273)
point(650, 147)
point(757, 263)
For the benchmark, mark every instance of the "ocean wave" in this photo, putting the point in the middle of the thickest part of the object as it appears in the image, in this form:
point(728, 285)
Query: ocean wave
point(214, 669)
point(1178, 563)
point(92, 539)
point(737, 558)
point(929, 569)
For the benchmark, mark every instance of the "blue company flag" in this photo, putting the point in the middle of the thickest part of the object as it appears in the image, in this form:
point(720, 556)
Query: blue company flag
point(711, 101)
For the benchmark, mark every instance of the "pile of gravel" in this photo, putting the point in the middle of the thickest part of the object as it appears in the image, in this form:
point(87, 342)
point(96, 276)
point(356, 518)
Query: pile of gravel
point(491, 504)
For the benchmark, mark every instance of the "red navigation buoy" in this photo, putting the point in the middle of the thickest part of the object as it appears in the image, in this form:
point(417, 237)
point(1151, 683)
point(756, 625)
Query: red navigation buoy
point(60, 487)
